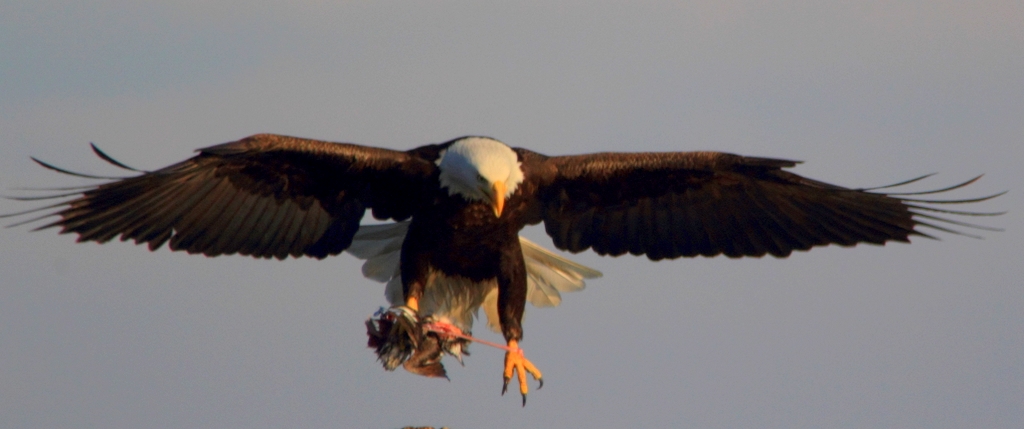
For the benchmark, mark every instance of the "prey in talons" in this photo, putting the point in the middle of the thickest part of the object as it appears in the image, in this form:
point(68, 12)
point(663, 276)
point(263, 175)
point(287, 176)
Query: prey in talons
point(400, 337)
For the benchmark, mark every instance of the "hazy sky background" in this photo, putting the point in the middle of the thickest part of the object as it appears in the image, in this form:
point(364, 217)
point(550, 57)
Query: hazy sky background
point(929, 335)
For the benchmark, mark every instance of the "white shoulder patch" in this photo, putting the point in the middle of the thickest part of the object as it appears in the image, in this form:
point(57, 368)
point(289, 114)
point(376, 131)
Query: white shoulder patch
point(547, 275)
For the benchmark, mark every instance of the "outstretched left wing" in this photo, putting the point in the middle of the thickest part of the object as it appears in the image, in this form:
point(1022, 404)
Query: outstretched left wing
point(667, 205)
point(265, 196)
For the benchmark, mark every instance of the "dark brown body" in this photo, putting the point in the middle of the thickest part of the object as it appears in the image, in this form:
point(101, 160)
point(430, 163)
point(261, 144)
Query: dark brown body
point(466, 239)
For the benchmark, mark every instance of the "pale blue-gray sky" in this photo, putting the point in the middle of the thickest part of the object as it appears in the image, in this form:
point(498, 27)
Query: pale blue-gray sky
point(928, 335)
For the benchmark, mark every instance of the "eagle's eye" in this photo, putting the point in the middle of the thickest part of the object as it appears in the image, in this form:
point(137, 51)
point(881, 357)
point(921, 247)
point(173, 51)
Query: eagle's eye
point(481, 179)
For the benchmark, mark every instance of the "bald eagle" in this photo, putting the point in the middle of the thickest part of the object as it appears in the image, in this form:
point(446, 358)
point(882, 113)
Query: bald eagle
point(457, 208)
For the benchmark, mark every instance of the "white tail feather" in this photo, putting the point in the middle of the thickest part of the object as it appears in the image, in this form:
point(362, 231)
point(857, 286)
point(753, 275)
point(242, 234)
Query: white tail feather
point(374, 240)
point(548, 274)
point(457, 298)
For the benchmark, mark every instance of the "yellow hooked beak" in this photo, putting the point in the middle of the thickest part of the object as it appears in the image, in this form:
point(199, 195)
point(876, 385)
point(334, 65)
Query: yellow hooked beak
point(498, 198)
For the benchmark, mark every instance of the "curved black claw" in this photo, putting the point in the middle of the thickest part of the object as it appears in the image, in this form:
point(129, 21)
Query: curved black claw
point(504, 388)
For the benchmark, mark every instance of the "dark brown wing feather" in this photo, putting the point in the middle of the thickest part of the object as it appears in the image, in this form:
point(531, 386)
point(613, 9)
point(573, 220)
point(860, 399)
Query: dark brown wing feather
point(264, 196)
point(667, 205)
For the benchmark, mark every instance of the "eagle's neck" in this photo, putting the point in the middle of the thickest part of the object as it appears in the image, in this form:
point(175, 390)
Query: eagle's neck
point(471, 166)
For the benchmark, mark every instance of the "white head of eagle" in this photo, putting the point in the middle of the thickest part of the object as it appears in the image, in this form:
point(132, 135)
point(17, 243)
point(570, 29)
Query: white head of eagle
point(481, 169)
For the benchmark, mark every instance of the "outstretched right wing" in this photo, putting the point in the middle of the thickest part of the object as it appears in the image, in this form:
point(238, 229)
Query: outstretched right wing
point(264, 196)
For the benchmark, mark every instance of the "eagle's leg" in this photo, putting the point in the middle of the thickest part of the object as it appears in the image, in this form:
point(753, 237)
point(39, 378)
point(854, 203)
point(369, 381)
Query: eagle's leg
point(415, 270)
point(413, 303)
point(511, 303)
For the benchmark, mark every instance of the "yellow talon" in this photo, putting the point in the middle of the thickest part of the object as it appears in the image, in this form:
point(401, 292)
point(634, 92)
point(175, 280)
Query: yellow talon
point(516, 363)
